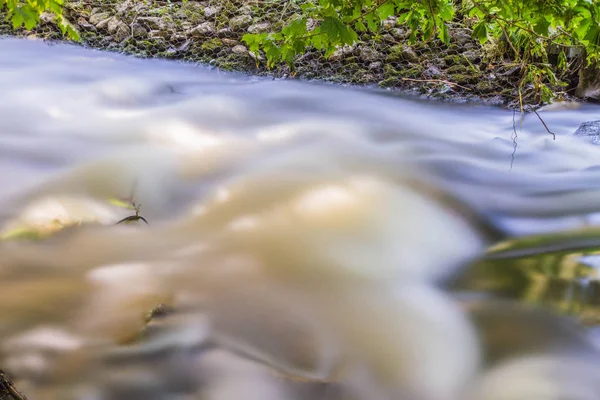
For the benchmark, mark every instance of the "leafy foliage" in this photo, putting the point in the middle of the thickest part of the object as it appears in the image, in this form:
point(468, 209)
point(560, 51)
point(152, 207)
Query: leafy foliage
point(530, 29)
point(26, 13)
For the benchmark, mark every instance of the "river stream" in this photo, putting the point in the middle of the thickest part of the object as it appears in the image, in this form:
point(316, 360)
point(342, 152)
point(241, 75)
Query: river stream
point(306, 241)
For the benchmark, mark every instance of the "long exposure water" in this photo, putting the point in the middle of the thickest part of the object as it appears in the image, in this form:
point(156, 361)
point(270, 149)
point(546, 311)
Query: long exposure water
point(304, 241)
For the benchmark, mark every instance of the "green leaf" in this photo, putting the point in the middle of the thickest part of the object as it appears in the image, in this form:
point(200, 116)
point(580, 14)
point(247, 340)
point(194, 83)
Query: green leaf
point(371, 22)
point(444, 34)
point(480, 31)
point(385, 10)
point(541, 26)
point(295, 28)
point(338, 32)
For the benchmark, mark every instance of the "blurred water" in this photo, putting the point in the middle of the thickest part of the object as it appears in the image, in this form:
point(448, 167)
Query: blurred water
point(301, 233)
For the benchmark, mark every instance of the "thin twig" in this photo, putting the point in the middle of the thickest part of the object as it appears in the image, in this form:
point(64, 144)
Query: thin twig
point(436, 81)
point(514, 139)
point(543, 123)
point(7, 386)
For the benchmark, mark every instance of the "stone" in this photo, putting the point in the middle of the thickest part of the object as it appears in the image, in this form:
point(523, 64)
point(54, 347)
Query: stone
point(472, 55)
point(409, 54)
point(239, 49)
point(589, 131)
point(156, 34)
point(341, 52)
point(104, 24)
point(83, 23)
point(589, 82)
point(432, 72)
point(97, 18)
point(399, 33)
point(389, 23)
point(311, 24)
point(240, 22)
point(185, 46)
point(47, 17)
point(258, 28)
point(224, 32)
point(138, 30)
point(460, 37)
point(152, 22)
point(212, 11)
point(230, 42)
point(368, 54)
point(245, 10)
point(205, 28)
point(121, 32)
point(375, 65)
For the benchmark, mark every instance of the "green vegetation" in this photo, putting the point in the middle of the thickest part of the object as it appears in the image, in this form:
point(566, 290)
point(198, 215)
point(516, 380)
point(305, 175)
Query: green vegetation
point(534, 35)
point(27, 13)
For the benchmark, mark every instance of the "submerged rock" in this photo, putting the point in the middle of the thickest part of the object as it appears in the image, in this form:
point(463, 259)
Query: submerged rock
point(589, 130)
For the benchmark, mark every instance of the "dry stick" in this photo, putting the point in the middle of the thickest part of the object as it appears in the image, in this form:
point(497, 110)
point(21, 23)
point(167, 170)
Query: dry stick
point(7, 386)
point(543, 123)
point(436, 81)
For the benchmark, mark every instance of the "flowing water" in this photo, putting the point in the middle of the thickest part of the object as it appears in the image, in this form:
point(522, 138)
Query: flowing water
point(306, 241)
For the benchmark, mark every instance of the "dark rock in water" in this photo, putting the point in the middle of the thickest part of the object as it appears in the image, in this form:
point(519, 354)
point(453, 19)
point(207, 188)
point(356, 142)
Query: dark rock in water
point(590, 130)
point(589, 82)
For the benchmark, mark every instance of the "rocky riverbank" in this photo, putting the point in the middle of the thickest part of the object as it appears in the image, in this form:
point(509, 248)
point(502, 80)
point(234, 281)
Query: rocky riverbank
point(210, 32)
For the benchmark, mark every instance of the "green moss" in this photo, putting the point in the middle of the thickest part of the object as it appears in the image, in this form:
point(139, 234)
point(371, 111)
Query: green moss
point(212, 44)
point(463, 78)
point(395, 54)
point(457, 69)
point(484, 86)
point(390, 71)
point(413, 72)
point(454, 59)
point(390, 82)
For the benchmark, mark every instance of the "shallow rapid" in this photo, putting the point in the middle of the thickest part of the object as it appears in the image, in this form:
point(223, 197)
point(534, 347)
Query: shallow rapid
point(304, 241)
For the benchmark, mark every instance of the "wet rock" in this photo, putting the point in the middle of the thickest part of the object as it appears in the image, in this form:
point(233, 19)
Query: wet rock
point(389, 23)
point(375, 65)
point(230, 42)
point(156, 34)
point(388, 38)
point(47, 17)
point(589, 131)
point(473, 56)
point(239, 49)
point(311, 24)
point(409, 54)
point(432, 72)
point(341, 52)
point(368, 54)
point(224, 32)
point(138, 31)
point(258, 28)
point(589, 82)
point(212, 11)
point(184, 47)
point(205, 28)
point(460, 37)
point(152, 23)
point(240, 22)
point(104, 24)
point(83, 23)
point(245, 10)
point(99, 17)
point(399, 33)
